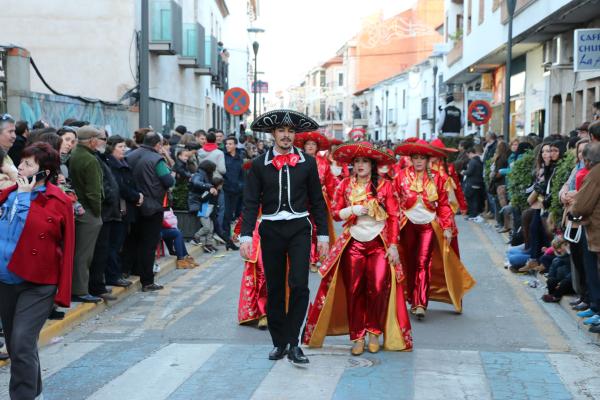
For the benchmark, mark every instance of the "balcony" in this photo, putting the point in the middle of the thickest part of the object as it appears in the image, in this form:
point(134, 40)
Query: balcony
point(211, 55)
point(165, 27)
point(455, 53)
point(192, 54)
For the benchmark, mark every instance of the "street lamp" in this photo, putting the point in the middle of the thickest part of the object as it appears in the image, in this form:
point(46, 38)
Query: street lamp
point(510, 5)
point(255, 49)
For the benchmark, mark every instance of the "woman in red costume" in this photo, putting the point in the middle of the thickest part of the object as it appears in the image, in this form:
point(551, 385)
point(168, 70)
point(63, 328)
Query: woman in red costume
point(252, 305)
point(359, 293)
point(433, 269)
point(456, 197)
point(312, 143)
point(340, 171)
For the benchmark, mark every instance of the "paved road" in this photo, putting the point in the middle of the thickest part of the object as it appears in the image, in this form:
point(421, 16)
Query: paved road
point(184, 343)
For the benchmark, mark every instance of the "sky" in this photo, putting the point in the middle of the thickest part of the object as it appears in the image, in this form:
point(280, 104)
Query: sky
point(300, 35)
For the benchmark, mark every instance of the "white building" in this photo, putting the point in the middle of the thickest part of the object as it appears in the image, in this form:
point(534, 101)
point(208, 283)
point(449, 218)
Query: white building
point(91, 50)
point(546, 96)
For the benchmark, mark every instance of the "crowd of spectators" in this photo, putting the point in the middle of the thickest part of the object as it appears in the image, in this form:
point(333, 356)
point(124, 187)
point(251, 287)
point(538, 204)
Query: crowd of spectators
point(108, 205)
point(545, 193)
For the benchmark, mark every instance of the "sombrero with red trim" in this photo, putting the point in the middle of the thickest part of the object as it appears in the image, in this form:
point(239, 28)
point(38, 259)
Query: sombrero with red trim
point(357, 134)
point(317, 137)
point(347, 152)
point(419, 146)
point(440, 145)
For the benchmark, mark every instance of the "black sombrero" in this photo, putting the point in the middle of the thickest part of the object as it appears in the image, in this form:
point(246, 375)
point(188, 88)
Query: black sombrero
point(272, 120)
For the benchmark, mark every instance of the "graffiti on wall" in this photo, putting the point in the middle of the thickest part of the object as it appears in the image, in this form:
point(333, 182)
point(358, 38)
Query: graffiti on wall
point(55, 109)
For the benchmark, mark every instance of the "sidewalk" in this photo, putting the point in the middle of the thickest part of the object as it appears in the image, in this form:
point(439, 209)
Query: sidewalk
point(564, 302)
point(80, 312)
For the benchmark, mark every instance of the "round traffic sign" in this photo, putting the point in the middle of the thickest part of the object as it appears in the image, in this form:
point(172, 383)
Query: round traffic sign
point(480, 112)
point(236, 101)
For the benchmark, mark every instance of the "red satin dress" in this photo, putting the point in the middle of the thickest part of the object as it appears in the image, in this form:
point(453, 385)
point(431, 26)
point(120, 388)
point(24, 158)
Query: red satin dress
point(456, 197)
point(359, 292)
point(253, 291)
point(423, 201)
point(329, 183)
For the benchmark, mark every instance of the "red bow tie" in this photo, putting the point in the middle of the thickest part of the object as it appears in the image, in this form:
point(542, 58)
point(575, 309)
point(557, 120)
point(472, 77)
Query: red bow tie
point(290, 159)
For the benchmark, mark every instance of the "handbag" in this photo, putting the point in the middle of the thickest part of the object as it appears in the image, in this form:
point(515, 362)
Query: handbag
point(568, 233)
point(205, 210)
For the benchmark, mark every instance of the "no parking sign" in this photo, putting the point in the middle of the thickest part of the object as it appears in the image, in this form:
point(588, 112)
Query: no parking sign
point(236, 101)
point(480, 112)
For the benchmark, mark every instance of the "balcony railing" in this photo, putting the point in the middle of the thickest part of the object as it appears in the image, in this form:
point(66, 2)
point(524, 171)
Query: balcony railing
point(455, 53)
point(165, 27)
point(192, 54)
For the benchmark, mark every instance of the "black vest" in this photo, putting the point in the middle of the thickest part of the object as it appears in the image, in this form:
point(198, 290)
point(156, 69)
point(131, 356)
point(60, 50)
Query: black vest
point(452, 120)
point(143, 161)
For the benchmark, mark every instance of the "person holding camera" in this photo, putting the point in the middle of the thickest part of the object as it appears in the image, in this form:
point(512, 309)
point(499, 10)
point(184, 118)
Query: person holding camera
point(37, 238)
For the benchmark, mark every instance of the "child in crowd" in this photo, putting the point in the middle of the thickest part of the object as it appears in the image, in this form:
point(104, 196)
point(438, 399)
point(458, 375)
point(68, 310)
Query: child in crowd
point(173, 239)
point(559, 276)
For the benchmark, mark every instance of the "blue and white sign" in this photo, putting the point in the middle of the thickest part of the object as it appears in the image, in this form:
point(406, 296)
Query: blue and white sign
point(587, 50)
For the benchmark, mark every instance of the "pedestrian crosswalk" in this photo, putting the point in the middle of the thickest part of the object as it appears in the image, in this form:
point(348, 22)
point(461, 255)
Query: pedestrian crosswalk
point(179, 371)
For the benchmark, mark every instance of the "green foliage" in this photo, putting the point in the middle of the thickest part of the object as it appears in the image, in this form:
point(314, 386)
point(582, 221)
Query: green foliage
point(180, 196)
point(561, 174)
point(486, 172)
point(519, 179)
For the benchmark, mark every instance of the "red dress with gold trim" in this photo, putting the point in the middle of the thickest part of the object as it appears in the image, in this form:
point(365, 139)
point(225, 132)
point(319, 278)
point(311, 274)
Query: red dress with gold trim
point(456, 197)
point(253, 291)
point(433, 270)
point(329, 314)
point(329, 184)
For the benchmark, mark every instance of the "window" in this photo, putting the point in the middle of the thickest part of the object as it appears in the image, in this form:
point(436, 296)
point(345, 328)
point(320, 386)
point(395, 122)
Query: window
point(340, 110)
point(469, 13)
point(322, 79)
point(340, 79)
point(403, 99)
point(481, 11)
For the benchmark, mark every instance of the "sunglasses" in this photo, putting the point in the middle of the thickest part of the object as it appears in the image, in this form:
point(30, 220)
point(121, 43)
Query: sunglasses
point(6, 117)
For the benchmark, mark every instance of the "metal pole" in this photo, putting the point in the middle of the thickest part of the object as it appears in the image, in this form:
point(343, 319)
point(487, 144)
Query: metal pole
point(255, 49)
point(144, 83)
point(510, 4)
point(435, 71)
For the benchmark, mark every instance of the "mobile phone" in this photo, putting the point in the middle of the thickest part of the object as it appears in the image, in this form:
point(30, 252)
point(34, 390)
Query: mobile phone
point(38, 176)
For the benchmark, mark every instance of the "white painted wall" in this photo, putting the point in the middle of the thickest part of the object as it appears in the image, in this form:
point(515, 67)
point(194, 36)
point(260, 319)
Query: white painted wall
point(81, 48)
point(488, 37)
point(535, 85)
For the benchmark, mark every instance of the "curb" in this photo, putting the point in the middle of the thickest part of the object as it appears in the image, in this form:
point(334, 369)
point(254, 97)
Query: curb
point(81, 312)
point(564, 301)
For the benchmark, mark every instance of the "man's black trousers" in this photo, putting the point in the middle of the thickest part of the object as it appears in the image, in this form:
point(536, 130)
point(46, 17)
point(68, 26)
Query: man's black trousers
point(282, 241)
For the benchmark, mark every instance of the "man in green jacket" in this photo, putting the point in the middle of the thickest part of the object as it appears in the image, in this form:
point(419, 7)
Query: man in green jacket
point(85, 173)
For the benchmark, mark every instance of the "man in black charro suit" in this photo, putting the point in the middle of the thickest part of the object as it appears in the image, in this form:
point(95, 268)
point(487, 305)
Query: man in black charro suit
point(284, 184)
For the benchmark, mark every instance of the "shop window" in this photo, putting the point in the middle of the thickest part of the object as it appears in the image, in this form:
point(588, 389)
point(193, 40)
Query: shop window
point(556, 122)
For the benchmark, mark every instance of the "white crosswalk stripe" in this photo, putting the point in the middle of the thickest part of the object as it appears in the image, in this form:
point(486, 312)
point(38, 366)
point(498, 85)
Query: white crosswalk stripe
point(157, 376)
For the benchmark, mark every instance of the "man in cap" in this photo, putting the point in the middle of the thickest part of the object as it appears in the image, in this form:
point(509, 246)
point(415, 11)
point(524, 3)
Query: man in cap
point(86, 177)
point(284, 183)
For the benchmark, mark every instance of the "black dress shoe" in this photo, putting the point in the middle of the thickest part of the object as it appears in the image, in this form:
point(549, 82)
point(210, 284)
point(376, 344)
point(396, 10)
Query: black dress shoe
point(231, 246)
point(297, 357)
point(120, 283)
point(278, 353)
point(595, 329)
point(88, 298)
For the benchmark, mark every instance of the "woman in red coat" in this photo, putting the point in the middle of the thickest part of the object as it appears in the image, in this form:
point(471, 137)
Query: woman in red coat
point(36, 262)
point(358, 293)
